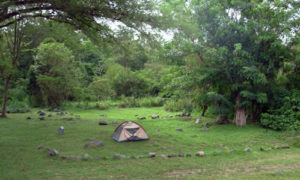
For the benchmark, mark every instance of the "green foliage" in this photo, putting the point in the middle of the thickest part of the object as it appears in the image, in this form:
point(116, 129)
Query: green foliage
point(17, 107)
point(151, 102)
point(287, 117)
point(173, 105)
point(55, 73)
point(102, 89)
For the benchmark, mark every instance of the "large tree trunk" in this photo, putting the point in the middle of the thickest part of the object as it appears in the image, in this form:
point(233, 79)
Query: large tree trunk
point(3, 114)
point(240, 117)
point(204, 110)
point(255, 111)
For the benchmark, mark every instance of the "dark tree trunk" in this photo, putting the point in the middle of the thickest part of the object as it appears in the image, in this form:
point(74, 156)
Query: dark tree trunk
point(204, 110)
point(255, 111)
point(5, 97)
point(240, 117)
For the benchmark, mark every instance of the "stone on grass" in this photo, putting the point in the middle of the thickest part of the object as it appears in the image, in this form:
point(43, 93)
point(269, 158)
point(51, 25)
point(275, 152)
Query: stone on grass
point(233, 150)
point(154, 116)
point(132, 157)
point(188, 155)
point(197, 120)
point(119, 156)
point(28, 117)
point(68, 118)
point(151, 154)
point(141, 118)
point(247, 149)
point(187, 114)
point(163, 156)
point(72, 157)
point(50, 115)
point(94, 144)
point(40, 147)
point(52, 152)
point(276, 147)
point(285, 147)
point(172, 155)
point(179, 129)
point(63, 157)
point(42, 118)
point(140, 157)
point(181, 154)
point(61, 130)
point(262, 148)
point(200, 153)
point(102, 123)
point(86, 156)
point(42, 113)
point(168, 116)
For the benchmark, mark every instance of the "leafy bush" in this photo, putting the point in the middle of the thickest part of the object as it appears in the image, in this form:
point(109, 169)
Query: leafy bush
point(129, 102)
point(151, 102)
point(287, 117)
point(178, 105)
point(17, 107)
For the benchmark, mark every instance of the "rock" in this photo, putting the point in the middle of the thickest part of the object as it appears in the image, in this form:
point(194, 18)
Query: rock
point(102, 123)
point(102, 115)
point(40, 147)
point(163, 156)
point(42, 118)
point(41, 113)
point(247, 149)
point(233, 150)
point(63, 157)
point(262, 148)
point(168, 116)
point(94, 144)
point(179, 129)
point(197, 120)
point(50, 115)
point(86, 156)
point(140, 157)
point(132, 157)
point(119, 156)
point(181, 154)
point(61, 113)
point(28, 118)
point(200, 153)
point(154, 116)
point(276, 147)
point(72, 157)
point(141, 118)
point(52, 152)
point(187, 114)
point(205, 129)
point(188, 155)
point(151, 154)
point(61, 130)
point(172, 155)
point(206, 125)
point(285, 147)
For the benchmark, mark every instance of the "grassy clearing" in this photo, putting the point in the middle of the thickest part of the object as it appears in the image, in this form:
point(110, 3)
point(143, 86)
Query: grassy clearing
point(21, 160)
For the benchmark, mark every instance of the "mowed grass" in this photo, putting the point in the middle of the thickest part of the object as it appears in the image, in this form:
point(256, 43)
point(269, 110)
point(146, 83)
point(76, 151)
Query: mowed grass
point(20, 158)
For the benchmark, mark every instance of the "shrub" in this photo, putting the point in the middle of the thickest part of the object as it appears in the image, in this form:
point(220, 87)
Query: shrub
point(151, 102)
point(17, 107)
point(128, 102)
point(287, 117)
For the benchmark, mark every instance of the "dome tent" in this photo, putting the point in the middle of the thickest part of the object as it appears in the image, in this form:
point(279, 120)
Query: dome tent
point(129, 131)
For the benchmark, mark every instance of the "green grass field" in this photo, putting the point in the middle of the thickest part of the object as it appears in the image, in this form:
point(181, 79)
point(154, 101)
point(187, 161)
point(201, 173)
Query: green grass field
point(20, 158)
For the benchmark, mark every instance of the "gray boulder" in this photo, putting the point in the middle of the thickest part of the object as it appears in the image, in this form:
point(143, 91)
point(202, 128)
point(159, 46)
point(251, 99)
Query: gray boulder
point(247, 149)
point(200, 154)
point(50, 115)
point(163, 156)
point(102, 123)
point(40, 147)
point(181, 154)
point(172, 155)
point(179, 129)
point(141, 118)
point(285, 147)
point(119, 156)
point(52, 152)
point(151, 154)
point(94, 144)
point(28, 118)
point(61, 130)
point(197, 120)
point(42, 118)
point(63, 157)
point(154, 116)
point(188, 155)
point(86, 156)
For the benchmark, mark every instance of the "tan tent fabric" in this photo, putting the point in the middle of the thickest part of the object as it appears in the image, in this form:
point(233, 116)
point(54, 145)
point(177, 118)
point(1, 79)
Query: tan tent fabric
point(129, 131)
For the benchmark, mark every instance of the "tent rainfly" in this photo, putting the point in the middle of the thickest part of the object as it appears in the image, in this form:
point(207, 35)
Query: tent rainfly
point(129, 131)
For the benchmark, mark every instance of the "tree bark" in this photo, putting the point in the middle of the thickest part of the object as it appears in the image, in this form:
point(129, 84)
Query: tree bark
point(5, 97)
point(204, 110)
point(240, 117)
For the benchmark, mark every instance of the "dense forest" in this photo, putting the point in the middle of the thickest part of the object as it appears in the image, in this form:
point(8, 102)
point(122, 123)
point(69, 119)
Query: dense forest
point(237, 59)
